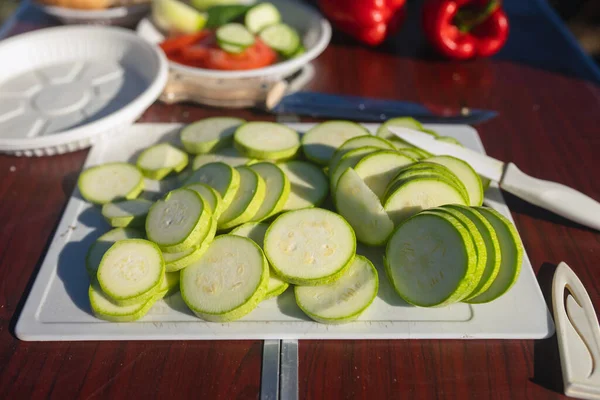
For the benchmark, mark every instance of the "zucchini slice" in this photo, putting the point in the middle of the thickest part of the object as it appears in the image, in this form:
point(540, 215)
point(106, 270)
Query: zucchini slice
point(261, 16)
point(228, 155)
point(430, 259)
point(320, 142)
point(310, 247)
point(256, 231)
point(348, 160)
point(415, 153)
point(104, 308)
point(247, 201)
point(234, 34)
point(110, 182)
point(178, 221)
point(379, 168)
point(282, 38)
point(357, 143)
point(177, 261)
point(228, 281)
point(126, 213)
point(308, 185)
point(405, 122)
point(277, 190)
point(103, 243)
point(160, 160)
point(210, 195)
point(362, 209)
point(131, 271)
point(511, 258)
point(267, 141)
point(209, 134)
point(221, 177)
point(343, 300)
point(466, 174)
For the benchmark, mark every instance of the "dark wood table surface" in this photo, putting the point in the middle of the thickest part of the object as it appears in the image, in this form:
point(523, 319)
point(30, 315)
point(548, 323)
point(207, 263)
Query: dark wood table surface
point(549, 125)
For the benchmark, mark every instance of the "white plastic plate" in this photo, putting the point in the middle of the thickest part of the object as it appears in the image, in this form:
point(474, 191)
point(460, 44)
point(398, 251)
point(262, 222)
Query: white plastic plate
point(58, 308)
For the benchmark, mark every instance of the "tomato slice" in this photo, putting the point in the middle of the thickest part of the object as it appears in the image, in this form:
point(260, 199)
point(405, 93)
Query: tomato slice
point(256, 56)
point(176, 43)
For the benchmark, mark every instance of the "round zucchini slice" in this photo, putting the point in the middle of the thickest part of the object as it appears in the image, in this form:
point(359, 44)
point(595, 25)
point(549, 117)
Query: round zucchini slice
point(110, 182)
point(209, 134)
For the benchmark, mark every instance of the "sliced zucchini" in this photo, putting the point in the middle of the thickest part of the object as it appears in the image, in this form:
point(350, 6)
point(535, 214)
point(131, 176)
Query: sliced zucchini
point(449, 139)
point(320, 142)
point(177, 261)
point(485, 183)
point(357, 143)
point(126, 213)
point(511, 250)
point(343, 300)
point(179, 221)
point(420, 193)
point(103, 243)
point(209, 134)
point(430, 259)
point(228, 155)
point(379, 168)
point(492, 246)
point(362, 209)
point(277, 190)
point(131, 271)
point(171, 283)
point(415, 153)
point(430, 131)
point(234, 34)
point(228, 281)
point(110, 182)
point(465, 173)
point(348, 160)
point(247, 201)
point(267, 141)
point(177, 16)
point(282, 38)
point(261, 16)
point(400, 144)
point(210, 195)
point(104, 308)
point(310, 247)
point(221, 177)
point(255, 231)
point(308, 185)
point(160, 160)
point(405, 122)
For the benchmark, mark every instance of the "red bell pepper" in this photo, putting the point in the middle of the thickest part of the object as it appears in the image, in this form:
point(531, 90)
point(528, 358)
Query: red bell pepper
point(464, 29)
point(369, 21)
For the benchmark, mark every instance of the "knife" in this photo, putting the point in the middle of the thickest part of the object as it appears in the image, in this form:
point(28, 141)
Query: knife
point(560, 199)
point(357, 108)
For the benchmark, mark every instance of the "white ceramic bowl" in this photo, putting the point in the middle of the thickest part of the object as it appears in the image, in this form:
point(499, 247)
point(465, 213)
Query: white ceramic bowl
point(67, 87)
point(114, 16)
point(244, 88)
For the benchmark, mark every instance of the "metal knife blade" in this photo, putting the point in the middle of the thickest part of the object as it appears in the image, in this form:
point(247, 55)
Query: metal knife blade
point(357, 108)
point(486, 166)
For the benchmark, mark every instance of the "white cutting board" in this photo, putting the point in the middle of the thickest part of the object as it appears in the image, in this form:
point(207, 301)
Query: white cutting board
point(58, 308)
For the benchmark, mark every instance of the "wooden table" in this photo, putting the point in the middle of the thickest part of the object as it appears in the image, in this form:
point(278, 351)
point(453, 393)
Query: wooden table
point(549, 125)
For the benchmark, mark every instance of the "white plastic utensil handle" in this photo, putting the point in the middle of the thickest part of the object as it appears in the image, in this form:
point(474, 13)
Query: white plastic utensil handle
point(578, 335)
point(559, 199)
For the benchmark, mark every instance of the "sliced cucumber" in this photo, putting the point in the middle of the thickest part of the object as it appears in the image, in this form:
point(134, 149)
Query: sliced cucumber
point(310, 246)
point(405, 122)
point(126, 213)
point(357, 143)
point(379, 168)
point(103, 243)
point(234, 34)
point(104, 308)
point(221, 177)
point(177, 261)
point(179, 221)
point(267, 141)
point(430, 259)
point(174, 15)
point(261, 16)
point(131, 271)
point(308, 185)
point(210, 195)
point(255, 231)
point(420, 193)
point(362, 209)
point(282, 38)
point(277, 190)
point(511, 250)
point(209, 134)
point(229, 280)
point(299, 51)
point(466, 174)
point(247, 201)
point(492, 246)
point(320, 142)
point(228, 155)
point(231, 48)
point(160, 160)
point(343, 300)
point(110, 182)
point(348, 160)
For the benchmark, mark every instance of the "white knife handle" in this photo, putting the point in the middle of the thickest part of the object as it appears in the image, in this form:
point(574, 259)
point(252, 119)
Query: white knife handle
point(559, 199)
